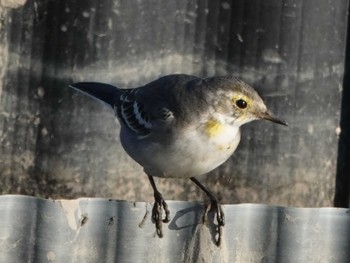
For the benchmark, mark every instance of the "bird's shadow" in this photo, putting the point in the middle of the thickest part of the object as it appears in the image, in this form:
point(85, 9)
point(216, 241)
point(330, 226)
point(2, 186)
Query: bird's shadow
point(194, 217)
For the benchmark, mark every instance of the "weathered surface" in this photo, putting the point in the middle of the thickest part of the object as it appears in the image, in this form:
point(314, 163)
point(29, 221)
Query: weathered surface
point(102, 230)
point(57, 143)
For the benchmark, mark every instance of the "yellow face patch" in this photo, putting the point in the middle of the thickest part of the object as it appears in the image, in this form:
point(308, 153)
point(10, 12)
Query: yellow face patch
point(213, 127)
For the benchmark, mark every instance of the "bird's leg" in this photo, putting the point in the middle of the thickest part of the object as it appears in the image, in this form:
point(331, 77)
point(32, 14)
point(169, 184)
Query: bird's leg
point(215, 205)
point(157, 211)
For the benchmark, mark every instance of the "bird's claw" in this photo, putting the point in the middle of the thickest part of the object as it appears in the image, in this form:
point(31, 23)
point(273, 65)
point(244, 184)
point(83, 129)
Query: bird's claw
point(220, 218)
point(157, 213)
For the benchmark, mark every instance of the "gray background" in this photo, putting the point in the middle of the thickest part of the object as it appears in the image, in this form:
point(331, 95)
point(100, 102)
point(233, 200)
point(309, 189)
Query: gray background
point(59, 144)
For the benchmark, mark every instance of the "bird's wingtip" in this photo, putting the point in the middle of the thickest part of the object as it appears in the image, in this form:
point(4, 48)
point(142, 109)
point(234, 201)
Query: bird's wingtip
point(103, 92)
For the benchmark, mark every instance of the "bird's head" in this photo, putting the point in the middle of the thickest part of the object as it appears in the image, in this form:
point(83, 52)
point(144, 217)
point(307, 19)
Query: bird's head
point(244, 103)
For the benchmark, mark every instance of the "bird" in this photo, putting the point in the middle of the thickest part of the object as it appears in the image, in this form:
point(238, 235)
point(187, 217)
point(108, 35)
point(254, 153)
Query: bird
point(181, 126)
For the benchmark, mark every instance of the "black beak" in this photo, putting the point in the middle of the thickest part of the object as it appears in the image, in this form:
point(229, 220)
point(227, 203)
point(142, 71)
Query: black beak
point(270, 117)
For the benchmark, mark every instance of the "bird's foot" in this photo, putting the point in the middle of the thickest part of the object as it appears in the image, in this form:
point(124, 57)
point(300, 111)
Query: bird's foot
point(157, 213)
point(220, 218)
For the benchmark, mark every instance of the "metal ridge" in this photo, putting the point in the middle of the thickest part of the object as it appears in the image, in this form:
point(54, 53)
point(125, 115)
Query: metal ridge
point(101, 230)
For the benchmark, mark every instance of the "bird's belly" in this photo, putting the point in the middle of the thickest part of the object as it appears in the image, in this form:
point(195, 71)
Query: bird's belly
point(193, 155)
point(191, 162)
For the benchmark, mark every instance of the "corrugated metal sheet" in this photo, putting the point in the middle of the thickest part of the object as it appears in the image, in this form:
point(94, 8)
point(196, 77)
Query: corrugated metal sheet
point(102, 230)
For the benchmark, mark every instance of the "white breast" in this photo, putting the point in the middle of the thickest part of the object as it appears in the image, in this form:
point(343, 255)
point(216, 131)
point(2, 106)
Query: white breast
point(192, 153)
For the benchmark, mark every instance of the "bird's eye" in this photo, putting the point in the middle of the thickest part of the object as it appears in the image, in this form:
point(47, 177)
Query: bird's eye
point(242, 104)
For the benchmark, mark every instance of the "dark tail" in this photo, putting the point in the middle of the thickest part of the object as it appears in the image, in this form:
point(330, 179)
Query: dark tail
point(105, 93)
